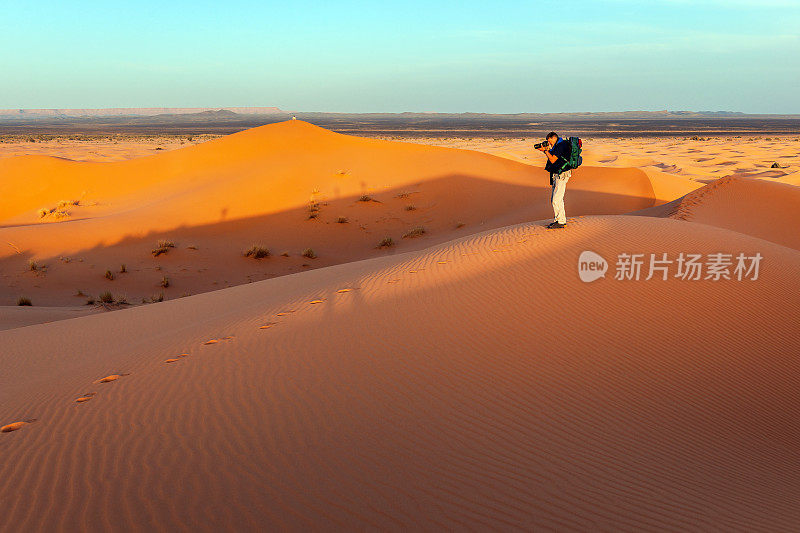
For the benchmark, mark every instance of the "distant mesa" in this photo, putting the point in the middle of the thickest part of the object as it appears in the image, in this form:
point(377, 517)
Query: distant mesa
point(138, 112)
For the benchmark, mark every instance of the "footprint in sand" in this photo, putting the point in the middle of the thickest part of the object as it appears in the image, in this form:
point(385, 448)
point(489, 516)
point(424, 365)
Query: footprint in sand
point(86, 397)
point(340, 291)
point(442, 262)
point(284, 313)
point(108, 379)
point(267, 325)
point(215, 341)
point(316, 301)
point(176, 358)
point(8, 428)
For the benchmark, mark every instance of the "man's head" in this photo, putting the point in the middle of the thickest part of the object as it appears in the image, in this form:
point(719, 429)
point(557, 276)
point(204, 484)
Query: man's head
point(552, 137)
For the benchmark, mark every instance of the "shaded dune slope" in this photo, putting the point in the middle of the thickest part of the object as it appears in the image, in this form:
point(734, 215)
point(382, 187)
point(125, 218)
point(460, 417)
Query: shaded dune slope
point(448, 388)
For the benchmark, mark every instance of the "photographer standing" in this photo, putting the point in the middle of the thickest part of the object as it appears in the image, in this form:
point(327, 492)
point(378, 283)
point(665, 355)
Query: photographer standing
point(557, 151)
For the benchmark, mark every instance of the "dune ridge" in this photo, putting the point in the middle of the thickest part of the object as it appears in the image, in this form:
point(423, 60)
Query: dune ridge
point(763, 209)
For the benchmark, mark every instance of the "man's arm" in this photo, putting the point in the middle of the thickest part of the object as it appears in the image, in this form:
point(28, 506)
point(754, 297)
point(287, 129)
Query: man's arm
point(550, 157)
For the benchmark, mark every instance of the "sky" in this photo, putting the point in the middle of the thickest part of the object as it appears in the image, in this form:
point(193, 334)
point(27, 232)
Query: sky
point(418, 56)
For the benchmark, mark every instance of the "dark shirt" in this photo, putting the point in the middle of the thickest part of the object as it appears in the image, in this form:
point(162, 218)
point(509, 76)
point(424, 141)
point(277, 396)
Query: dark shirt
point(561, 150)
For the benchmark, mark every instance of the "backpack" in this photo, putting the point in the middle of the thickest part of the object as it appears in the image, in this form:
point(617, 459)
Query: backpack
point(574, 159)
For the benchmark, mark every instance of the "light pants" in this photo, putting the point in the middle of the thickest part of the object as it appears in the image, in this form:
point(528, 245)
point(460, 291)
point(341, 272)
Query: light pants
point(557, 195)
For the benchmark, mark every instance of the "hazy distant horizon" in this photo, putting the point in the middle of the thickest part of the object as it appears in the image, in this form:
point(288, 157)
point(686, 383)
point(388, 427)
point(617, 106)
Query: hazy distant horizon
point(279, 110)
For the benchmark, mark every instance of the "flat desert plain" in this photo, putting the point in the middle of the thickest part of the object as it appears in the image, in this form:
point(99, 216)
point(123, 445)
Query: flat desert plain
point(405, 346)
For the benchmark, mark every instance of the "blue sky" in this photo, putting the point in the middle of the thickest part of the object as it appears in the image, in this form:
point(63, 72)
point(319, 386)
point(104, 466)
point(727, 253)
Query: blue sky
point(481, 56)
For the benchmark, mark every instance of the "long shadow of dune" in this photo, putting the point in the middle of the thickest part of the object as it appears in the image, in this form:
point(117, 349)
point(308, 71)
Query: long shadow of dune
point(448, 207)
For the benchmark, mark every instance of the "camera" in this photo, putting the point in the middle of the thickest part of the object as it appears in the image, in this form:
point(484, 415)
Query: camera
point(542, 144)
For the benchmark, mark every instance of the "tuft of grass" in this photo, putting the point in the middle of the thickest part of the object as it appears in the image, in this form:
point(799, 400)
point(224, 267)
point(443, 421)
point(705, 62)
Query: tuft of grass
point(365, 198)
point(257, 252)
point(386, 242)
point(90, 300)
point(106, 297)
point(313, 210)
point(308, 252)
point(109, 275)
point(32, 265)
point(403, 195)
point(79, 293)
point(165, 282)
point(416, 232)
point(162, 247)
point(342, 220)
point(65, 203)
point(410, 208)
point(22, 300)
point(122, 269)
point(157, 298)
point(122, 300)
point(43, 212)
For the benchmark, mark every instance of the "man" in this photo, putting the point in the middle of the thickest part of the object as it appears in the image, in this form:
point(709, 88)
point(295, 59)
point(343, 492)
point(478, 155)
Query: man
point(557, 150)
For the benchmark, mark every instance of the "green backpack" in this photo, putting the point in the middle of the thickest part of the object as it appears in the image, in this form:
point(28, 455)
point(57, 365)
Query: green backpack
point(574, 159)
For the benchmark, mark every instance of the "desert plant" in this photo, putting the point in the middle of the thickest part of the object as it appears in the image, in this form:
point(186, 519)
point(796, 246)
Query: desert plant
point(416, 232)
point(109, 275)
point(90, 301)
point(342, 220)
point(122, 300)
point(32, 265)
point(365, 198)
point(162, 247)
point(165, 282)
point(157, 298)
point(122, 269)
point(308, 252)
point(386, 242)
point(313, 209)
point(106, 297)
point(42, 212)
point(22, 300)
point(410, 208)
point(257, 252)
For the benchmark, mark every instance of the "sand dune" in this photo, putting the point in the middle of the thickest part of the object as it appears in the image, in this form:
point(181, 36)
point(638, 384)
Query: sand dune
point(474, 384)
point(256, 187)
point(766, 210)
point(463, 379)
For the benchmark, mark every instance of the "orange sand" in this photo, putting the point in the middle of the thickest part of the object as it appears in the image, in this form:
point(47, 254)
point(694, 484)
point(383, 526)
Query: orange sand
point(465, 379)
